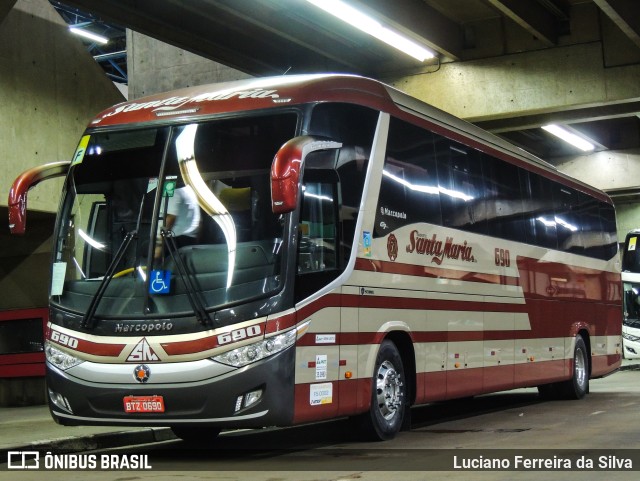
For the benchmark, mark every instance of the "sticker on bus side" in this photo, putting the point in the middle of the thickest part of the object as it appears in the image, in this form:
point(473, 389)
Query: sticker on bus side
point(321, 394)
point(321, 367)
point(81, 150)
point(57, 278)
point(366, 243)
point(632, 243)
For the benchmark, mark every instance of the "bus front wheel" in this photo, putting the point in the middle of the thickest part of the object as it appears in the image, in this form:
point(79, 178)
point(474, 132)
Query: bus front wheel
point(388, 396)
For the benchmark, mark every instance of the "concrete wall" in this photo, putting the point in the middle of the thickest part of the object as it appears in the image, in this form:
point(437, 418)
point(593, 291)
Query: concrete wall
point(592, 65)
point(607, 170)
point(526, 83)
point(50, 87)
point(154, 66)
point(628, 218)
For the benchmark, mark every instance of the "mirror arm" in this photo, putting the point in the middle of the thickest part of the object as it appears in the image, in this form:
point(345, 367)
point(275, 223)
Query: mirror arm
point(287, 168)
point(17, 202)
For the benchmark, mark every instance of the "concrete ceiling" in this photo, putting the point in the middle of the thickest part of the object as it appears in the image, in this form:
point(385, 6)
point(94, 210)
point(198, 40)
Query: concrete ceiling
point(271, 37)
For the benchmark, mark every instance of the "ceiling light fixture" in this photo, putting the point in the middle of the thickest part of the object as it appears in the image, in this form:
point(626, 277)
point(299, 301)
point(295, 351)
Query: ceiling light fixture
point(91, 36)
point(569, 137)
point(367, 24)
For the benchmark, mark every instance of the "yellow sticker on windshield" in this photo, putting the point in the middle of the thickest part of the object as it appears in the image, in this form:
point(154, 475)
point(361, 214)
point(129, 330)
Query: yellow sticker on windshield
point(80, 151)
point(632, 244)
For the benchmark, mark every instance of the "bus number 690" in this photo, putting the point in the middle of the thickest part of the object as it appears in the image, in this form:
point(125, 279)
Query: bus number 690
point(63, 339)
point(503, 258)
point(239, 334)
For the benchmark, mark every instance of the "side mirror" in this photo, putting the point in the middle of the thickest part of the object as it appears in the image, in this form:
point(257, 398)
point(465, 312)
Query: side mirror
point(17, 202)
point(286, 169)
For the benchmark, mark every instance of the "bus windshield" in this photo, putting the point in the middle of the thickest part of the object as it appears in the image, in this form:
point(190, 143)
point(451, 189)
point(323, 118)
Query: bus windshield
point(166, 220)
point(631, 284)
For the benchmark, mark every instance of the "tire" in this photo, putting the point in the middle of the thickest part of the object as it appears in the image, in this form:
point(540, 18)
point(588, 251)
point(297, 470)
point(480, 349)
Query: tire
point(578, 386)
point(388, 396)
point(196, 434)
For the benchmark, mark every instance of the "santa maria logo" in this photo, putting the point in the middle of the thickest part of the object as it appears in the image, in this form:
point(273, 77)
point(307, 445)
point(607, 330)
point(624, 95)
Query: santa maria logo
point(174, 103)
point(392, 247)
point(439, 250)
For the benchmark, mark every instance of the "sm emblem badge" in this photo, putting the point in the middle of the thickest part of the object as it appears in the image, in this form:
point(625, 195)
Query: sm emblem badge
point(142, 373)
point(142, 352)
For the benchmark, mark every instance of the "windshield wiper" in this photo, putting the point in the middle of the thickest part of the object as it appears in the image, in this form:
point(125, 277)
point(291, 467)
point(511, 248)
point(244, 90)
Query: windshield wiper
point(88, 320)
point(196, 304)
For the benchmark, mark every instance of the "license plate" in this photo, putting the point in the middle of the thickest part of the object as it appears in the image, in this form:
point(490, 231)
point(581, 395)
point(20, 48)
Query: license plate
point(143, 404)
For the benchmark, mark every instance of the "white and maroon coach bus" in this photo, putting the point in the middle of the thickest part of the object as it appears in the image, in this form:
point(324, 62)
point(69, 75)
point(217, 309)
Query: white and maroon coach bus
point(357, 252)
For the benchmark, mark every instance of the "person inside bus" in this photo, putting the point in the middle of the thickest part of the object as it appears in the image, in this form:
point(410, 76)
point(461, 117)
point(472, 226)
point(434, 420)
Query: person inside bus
point(182, 218)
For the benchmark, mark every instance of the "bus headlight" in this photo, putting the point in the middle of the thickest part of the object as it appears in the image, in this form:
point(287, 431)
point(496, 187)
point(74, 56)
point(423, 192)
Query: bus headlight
point(58, 358)
point(258, 350)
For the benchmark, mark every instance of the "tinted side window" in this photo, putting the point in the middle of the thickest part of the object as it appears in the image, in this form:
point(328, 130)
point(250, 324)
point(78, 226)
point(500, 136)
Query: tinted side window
point(610, 233)
point(568, 218)
point(503, 199)
point(460, 185)
point(346, 123)
point(539, 213)
point(630, 253)
point(409, 190)
point(352, 168)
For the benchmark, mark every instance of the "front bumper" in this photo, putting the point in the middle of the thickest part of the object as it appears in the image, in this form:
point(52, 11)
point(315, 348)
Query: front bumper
point(631, 348)
point(192, 394)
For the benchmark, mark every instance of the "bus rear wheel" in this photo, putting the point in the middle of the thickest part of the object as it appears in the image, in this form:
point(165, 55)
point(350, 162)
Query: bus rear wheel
point(388, 396)
point(196, 434)
point(578, 386)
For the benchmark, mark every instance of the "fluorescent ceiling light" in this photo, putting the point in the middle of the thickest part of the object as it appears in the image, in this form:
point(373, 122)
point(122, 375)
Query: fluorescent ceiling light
point(367, 24)
point(91, 36)
point(569, 137)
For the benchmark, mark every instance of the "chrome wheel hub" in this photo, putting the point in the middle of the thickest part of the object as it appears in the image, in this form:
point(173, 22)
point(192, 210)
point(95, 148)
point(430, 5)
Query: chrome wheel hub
point(389, 391)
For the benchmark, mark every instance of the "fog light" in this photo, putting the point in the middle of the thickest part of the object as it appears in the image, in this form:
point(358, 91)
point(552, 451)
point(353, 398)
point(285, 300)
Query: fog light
point(248, 399)
point(252, 397)
point(60, 401)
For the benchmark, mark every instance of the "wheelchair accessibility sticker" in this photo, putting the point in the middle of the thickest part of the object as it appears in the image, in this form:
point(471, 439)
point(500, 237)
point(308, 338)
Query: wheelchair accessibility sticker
point(160, 282)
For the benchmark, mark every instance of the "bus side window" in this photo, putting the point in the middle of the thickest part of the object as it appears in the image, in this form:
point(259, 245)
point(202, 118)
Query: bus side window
point(461, 186)
point(317, 228)
point(539, 212)
point(318, 259)
point(503, 199)
point(409, 191)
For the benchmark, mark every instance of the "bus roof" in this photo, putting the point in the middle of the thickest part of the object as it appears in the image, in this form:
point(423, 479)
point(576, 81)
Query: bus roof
point(267, 92)
point(243, 95)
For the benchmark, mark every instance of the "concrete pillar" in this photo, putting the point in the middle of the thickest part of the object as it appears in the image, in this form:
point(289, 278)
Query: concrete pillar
point(5, 6)
point(50, 87)
point(154, 66)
